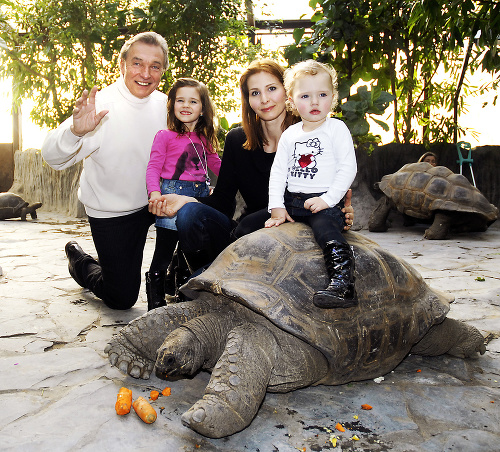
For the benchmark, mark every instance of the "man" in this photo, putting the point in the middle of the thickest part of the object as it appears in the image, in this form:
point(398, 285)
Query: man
point(113, 132)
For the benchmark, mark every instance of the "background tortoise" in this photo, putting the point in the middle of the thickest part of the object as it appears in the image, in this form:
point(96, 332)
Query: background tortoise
point(436, 194)
point(253, 324)
point(13, 206)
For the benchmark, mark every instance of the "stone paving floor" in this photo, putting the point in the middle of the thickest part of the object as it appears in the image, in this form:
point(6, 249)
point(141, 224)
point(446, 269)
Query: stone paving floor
point(57, 389)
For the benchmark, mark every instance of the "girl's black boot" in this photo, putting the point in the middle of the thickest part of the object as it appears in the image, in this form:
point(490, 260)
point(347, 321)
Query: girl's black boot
point(155, 289)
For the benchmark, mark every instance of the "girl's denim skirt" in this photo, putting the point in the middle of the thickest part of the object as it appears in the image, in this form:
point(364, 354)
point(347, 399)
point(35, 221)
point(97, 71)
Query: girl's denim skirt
point(181, 187)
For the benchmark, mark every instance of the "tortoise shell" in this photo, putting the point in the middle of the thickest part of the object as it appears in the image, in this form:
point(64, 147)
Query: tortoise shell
point(275, 272)
point(11, 205)
point(419, 189)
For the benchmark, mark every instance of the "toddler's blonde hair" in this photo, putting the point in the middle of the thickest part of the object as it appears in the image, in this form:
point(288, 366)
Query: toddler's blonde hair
point(309, 67)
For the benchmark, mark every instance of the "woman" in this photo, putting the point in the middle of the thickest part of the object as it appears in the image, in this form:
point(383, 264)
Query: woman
point(429, 157)
point(205, 225)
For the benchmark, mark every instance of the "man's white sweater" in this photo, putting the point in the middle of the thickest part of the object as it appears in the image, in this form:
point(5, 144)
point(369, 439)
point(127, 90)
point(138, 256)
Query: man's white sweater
point(115, 154)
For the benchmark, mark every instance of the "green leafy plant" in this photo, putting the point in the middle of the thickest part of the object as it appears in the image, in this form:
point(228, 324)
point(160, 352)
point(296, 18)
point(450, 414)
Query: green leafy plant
point(362, 105)
point(403, 47)
point(53, 50)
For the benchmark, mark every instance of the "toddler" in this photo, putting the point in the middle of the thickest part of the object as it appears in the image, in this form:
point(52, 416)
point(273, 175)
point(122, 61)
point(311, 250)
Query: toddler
point(314, 167)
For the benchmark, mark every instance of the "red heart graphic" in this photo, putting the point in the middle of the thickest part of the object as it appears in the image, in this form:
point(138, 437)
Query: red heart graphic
point(305, 159)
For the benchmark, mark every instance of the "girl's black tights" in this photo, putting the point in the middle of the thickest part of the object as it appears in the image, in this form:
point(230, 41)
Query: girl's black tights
point(166, 240)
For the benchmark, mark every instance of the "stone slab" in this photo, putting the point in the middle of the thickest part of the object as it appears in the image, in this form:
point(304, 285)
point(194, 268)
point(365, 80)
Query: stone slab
point(57, 389)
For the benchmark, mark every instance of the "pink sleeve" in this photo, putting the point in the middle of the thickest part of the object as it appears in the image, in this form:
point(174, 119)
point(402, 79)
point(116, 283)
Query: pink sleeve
point(156, 161)
point(213, 161)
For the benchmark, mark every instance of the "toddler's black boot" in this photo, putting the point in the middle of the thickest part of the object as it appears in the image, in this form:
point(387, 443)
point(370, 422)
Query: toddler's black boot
point(340, 292)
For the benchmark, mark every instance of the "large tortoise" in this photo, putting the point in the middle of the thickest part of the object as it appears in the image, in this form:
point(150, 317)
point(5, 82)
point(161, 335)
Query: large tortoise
point(253, 324)
point(13, 206)
point(425, 192)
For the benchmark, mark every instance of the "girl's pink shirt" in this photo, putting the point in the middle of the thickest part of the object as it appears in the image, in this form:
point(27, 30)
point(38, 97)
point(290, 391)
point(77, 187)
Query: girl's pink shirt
point(174, 154)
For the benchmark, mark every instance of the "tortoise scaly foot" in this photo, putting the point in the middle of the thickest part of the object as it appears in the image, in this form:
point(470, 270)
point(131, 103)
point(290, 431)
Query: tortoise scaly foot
point(238, 384)
point(133, 349)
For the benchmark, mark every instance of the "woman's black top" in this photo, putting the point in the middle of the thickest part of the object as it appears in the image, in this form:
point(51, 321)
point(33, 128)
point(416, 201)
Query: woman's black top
point(243, 170)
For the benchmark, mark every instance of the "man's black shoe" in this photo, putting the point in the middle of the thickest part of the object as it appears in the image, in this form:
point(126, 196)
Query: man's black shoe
point(75, 255)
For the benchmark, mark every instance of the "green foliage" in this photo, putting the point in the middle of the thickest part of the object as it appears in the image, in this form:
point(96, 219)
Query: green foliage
point(55, 49)
point(401, 45)
point(339, 38)
point(365, 103)
point(207, 40)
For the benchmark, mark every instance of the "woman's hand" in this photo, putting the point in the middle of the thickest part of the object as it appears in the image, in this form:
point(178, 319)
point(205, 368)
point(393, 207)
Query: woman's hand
point(348, 210)
point(169, 205)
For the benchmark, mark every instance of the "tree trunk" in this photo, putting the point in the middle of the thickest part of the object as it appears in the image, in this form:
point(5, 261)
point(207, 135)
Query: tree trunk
point(459, 88)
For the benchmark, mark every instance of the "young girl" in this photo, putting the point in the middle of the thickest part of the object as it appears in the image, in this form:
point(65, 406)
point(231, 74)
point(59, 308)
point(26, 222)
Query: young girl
point(179, 163)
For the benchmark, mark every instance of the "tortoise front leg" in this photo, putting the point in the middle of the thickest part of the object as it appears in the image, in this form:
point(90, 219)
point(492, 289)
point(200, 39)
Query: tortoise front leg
point(238, 383)
point(133, 349)
point(378, 218)
point(440, 227)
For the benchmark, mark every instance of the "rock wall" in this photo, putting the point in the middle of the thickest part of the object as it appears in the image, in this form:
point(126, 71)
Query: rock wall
point(36, 181)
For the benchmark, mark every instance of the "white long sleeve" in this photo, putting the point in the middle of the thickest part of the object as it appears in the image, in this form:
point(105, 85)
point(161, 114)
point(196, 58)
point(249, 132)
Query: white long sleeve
point(319, 161)
point(115, 154)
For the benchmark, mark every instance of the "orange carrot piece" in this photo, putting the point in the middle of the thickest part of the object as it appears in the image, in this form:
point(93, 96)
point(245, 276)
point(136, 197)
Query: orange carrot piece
point(144, 410)
point(339, 427)
point(153, 395)
point(166, 392)
point(123, 401)
point(365, 406)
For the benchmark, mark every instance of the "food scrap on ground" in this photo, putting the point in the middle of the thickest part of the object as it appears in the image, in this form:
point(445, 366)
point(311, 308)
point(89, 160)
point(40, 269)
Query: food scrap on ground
point(365, 406)
point(123, 401)
point(166, 392)
point(153, 395)
point(355, 438)
point(144, 410)
point(339, 427)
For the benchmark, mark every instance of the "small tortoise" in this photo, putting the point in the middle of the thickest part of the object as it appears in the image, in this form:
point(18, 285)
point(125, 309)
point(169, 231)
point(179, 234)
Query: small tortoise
point(253, 324)
point(13, 206)
point(432, 194)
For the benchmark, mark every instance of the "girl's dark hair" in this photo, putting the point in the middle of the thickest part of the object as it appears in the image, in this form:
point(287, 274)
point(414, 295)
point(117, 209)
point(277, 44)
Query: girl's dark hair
point(205, 124)
point(249, 119)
